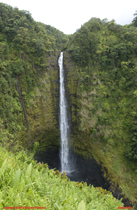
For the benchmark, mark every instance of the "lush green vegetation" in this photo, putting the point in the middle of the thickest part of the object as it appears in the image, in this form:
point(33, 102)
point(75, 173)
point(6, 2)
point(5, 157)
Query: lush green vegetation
point(25, 183)
point(104, 80)
point(106, 57)
point(23, 58)
point(134, 22)
point(59, 37)
point(106, 54)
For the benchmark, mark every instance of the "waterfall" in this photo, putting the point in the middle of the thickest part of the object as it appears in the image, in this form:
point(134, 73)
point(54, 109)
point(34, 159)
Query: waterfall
point(63, 121)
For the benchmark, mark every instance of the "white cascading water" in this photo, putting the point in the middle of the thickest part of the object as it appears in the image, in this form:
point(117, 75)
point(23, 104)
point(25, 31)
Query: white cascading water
point(64, 126)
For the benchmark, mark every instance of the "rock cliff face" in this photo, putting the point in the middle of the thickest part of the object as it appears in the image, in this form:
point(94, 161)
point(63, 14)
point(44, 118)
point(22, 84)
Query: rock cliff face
point(78, 109)
point(46, 125)
point(48, 135)
point(42, 109)
point(45, 112)
point(44, 115)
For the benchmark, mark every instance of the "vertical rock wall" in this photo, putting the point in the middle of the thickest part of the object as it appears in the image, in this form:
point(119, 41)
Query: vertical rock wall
point(42, 107)
point(80, 138)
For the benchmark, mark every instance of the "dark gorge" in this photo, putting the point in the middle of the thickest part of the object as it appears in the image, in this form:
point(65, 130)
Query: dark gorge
point(88, 171)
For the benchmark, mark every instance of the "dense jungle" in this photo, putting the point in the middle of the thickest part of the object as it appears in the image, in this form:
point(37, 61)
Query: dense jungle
point(100, 63)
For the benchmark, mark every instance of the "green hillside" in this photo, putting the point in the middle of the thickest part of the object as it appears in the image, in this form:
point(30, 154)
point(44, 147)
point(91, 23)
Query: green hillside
point(23, 62)
point(105, 71)
point(106, 58)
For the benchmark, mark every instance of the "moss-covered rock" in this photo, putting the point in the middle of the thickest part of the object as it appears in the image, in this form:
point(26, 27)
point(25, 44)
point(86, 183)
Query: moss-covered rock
point(41, 106)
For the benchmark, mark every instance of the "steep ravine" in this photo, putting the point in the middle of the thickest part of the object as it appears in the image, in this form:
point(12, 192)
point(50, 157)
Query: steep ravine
point(89, 165)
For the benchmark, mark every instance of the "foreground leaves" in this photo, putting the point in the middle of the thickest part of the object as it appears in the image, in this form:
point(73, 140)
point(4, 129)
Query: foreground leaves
point(25, 183)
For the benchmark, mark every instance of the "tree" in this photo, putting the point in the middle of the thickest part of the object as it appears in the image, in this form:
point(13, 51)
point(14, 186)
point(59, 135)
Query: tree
point(135, 20)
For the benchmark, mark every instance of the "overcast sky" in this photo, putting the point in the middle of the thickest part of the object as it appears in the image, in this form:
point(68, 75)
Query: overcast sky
point(67, 16)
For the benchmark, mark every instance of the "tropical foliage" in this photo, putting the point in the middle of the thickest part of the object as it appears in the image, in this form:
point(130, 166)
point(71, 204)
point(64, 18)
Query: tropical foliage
point(23, 57)
point(23, 183)
point(106, 55)
point(104, 98)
